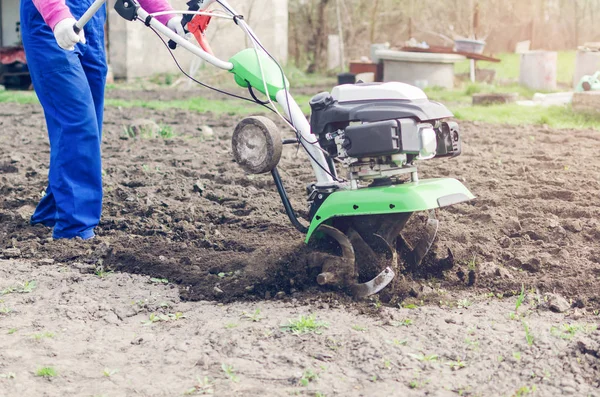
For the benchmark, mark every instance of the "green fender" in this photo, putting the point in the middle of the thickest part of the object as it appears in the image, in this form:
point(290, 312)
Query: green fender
point(407, 197)
point(246, 70)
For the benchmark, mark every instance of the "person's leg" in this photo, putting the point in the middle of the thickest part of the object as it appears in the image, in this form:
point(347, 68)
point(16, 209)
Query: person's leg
point(45, 212)
point(94, 63)
point(75, 179)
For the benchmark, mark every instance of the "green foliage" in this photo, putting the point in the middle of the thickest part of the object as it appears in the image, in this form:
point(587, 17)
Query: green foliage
point(423, 357)
point(202, 387)
point(43, 335)
point(230, 372)
point(359, 328)
point(509, 67)
point(155, 318)
point(553, 116)
point(524, 391)
point(568, 331)
point(203, 105)
point(307, 377)
point(520, 298)
point(304, 325)
point(22, 288)
point(46, 372)
point(109, 372)
point(528, 336)
point(403, 323)
point(254, 317)
point(159, 280)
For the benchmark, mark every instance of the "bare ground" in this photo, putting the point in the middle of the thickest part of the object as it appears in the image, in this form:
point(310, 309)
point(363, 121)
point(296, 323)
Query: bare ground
point(181, 210)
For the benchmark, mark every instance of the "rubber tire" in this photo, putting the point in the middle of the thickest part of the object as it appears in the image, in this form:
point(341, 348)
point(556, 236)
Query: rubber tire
point(265, 132)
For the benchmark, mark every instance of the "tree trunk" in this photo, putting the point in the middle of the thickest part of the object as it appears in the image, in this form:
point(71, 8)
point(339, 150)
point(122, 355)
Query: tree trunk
point(319, 33)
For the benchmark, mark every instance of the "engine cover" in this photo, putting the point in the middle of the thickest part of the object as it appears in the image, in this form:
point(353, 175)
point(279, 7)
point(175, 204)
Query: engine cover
point(382, 119)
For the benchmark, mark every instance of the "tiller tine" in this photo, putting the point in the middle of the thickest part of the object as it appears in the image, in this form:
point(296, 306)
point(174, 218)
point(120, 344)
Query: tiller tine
point(413, 255)
point(342, 271)
point(373, 286)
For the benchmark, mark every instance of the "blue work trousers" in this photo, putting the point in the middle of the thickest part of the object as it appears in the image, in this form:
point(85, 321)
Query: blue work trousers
point(70, 87)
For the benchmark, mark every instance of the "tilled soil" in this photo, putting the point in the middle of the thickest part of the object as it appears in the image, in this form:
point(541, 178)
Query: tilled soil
point(181, 210)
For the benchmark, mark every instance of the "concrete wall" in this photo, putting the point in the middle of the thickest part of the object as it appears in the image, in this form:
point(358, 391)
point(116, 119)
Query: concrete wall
point(135, 51)
point(10, 16)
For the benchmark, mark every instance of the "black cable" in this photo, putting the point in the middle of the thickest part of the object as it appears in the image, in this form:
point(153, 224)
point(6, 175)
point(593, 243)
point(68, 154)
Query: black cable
point(199, 82)
point(298, 135)
point(253, 95)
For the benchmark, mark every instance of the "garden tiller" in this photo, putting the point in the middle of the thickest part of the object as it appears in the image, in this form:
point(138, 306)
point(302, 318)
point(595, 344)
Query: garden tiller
point(362, 141)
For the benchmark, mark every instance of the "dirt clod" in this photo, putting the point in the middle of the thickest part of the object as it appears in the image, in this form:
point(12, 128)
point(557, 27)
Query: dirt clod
point(557, 303)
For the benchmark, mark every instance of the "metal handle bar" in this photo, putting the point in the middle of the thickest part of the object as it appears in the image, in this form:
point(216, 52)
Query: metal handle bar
point(143, 14)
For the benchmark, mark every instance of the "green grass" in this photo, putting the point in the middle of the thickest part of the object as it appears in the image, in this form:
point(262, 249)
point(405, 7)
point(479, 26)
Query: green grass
point(305, 325)
point(202, 105)
point(301, 79)
point(509, 67)
point(23, 97)
point(307, 377)
point(553, 116)
point(568, 331)
point(230, 372)
point(46, 372)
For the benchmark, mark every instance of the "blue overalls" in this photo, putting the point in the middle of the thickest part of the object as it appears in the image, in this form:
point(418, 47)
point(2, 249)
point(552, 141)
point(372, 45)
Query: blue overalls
point(70, 87)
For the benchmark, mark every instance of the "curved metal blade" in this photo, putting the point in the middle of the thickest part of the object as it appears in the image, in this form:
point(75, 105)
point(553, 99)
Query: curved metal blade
point(423, 245)
point(342, 240)
point(373, 286)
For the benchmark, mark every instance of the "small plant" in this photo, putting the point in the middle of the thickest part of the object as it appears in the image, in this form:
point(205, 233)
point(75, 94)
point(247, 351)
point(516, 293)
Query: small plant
point(254, 317)
point(166, 132)
point(525, 390)
point(159, 280)
point(517, 356)
point(359, 328)
point(109, 372)
point(5, 309)
point(463, 303)
point(155, 318)
point(23, 288)
point(204, 386)
point(307, 377)
point(397, 342)
point(230, 372)
point(404, 323)
point(12, 331)
point(472, 263)
point(456, 365)
point(319, 394)
point(568, 331)
point(101, 271)
point(473, 344)
point(409, 306)
point(428, 358)
point(528, 336)
point(8, 375)
point(304, 325)
point(414, 384)
point(46, 372)
point(387, 364)
point(520, 299)
point(43, 335)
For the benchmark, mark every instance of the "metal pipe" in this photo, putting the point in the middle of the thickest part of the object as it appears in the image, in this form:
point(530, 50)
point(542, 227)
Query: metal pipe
point(85, 18)
point(143, 14)
point(286, 202)
point(309, 141)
